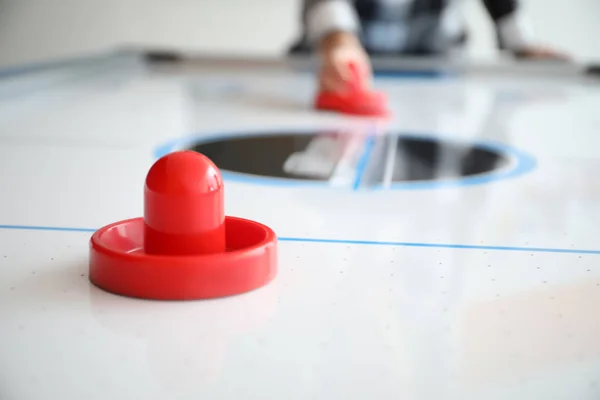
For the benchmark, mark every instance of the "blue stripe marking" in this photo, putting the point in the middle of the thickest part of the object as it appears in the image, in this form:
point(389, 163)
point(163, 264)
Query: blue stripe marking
point(46, 228)
point(90, 60)
point(442, 245)
point(44, 66)
point(408, 74)
point(363, 162)
point(88, 67)
point(354, 242)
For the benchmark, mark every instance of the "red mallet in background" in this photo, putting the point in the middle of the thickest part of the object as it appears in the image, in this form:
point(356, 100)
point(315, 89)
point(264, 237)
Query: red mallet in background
point(355, 100)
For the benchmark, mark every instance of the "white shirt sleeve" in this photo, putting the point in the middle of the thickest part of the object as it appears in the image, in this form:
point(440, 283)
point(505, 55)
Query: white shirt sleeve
point(328, 16)
point(515, 31)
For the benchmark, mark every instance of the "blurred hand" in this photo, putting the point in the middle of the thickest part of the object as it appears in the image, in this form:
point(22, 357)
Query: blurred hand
point(338, 52)
point(541, 53)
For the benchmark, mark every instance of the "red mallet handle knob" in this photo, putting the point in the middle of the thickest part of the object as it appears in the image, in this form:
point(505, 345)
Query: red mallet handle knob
point(184, 206)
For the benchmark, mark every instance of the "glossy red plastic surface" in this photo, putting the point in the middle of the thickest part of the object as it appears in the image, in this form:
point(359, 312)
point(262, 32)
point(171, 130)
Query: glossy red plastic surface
point(367, 103)
point(355, 99)
point(119, 264)
point(184, 206)
point(184, 247)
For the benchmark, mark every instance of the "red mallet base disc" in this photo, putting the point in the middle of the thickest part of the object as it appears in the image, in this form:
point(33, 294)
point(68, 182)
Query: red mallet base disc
point(118, 263)
point(355, 103)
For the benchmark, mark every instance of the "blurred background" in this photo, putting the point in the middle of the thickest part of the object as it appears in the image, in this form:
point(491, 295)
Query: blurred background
point(42, 30)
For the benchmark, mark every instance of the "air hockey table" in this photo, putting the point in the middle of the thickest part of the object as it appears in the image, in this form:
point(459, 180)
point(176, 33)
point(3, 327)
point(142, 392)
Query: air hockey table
point(450, 252)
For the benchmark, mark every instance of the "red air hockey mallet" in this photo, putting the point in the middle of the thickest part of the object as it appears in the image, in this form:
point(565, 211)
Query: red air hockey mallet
point(184, 247)
point(355, 100)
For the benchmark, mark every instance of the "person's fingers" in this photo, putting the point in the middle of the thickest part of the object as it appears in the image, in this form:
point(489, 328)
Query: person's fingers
point(339, 60)
point(340, 77)
point(331, 82)
point(352, 67)
point(542, 53)
point(554, 55)
point(335, 75)
point(344, 66)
